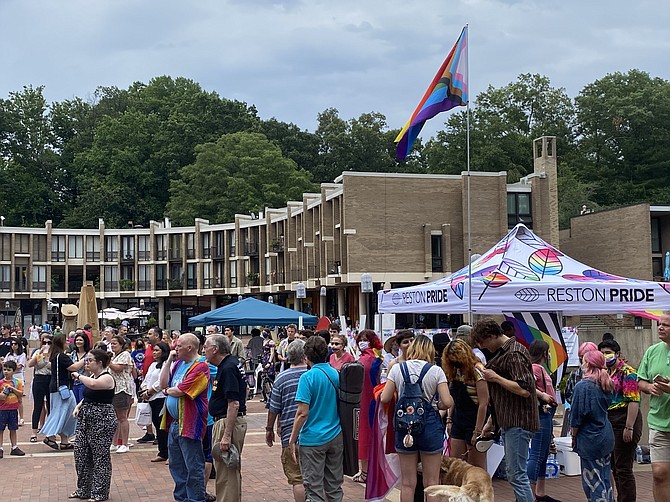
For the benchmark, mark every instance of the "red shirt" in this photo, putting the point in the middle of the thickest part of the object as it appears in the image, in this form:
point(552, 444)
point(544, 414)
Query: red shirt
point(148, 359)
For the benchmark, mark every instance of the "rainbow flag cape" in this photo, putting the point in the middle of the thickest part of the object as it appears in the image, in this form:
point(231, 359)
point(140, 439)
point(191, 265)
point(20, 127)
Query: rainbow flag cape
point(541, 326)
point(448, 89)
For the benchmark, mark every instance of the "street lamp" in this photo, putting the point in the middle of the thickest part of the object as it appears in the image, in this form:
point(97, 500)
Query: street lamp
point(366, 283)
point(2, 221)
point(300, 291)
point(271, 299)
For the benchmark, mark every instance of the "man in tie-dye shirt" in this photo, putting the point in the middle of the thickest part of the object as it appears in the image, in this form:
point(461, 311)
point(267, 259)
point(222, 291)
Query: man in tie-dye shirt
point(624, 414)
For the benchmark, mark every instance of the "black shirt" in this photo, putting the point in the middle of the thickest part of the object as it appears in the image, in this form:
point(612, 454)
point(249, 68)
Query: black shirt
point(229, 383)
point(100, 396)
point(5, 346)
point(62, 362)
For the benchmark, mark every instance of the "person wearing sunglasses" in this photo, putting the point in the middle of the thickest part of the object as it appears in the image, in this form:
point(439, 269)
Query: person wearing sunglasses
point(18, 355)
point(39, 360)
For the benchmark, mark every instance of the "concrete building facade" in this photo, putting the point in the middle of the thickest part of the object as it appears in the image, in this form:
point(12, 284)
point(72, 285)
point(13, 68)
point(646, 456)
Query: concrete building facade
point(401, 229)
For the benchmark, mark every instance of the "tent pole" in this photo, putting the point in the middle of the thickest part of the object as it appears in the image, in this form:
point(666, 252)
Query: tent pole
point(467, 149)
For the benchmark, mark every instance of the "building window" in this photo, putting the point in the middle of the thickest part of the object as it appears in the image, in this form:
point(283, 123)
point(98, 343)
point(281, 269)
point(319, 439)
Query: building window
point(111, 278)
point(655, 236)
point(161, 277)
point(75, 247)
point(233, 274)
point(93, 248)
point(190, 246)
point(191, 276)
point(5, 278)
point(143, 277)
point(218, 274)
point(231, 243)
point(128, 247)
point(176, 279)
point(22, 244)
point(519, 210)
point(40, 247)
point(175, 246)
point(111, 248)
point(161, 247)
point(219, 244)
point(57, 248)
point(39, 278)
point(206, 250)
point(21, 278)
point(144, 247)
point(6, 246)
point(436, 252)
point(207, 275)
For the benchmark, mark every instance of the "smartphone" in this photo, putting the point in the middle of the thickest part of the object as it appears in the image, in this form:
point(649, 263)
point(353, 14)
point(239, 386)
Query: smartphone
point(660, 378)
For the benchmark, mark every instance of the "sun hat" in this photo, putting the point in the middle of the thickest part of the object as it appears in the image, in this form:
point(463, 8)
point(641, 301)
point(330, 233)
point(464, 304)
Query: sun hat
point(231, 457)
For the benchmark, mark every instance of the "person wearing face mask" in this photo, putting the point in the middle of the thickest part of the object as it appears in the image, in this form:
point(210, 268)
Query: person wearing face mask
point(467, 416)
point(367, 341)
point(402, 340)
point(626, 419)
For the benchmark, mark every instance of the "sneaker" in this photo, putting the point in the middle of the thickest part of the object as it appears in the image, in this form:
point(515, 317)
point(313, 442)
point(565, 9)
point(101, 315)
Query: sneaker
point(17, 451)
point(122, 449)
point(484, 443)
point(209, 497)
point(147, 438)
point(130, 445)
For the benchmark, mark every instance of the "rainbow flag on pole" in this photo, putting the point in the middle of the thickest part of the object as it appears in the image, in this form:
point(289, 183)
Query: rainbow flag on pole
point(448, 89)
point(541, 326)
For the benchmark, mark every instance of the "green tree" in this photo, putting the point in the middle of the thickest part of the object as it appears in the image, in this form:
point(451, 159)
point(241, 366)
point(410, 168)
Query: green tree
point(623, 121)
point(239, 173)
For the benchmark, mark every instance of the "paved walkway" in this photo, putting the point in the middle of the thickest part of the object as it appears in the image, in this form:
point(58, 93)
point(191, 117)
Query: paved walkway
point(44, 474)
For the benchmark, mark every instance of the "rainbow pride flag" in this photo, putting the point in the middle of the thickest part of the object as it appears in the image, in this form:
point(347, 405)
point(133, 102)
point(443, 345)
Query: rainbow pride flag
point(448, 89)
point(541, 326)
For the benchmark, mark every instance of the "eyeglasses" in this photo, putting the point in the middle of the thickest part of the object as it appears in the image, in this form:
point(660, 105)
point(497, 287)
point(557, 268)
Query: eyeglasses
point(14, 343)
point(46, 342)
point(335, 344)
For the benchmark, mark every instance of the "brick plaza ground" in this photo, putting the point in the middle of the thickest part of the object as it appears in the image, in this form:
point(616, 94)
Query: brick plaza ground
point(45, 474)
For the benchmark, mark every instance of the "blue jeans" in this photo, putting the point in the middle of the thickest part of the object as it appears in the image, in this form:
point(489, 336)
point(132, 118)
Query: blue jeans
point(78, 390)
point(187, 466)
point(515, 441)
point(539, 448)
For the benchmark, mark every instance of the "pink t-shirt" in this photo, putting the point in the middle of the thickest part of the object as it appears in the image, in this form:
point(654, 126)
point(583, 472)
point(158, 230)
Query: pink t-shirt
point(543, 381)
point(337, 363)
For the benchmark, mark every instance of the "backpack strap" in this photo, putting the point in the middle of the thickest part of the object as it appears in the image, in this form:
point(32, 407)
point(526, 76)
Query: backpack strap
point(405, 373)
point(424, 370)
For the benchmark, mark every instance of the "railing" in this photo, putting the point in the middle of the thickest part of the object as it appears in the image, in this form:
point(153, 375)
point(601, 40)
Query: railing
point(175, 255)
point(161, 284)
point(111, 285)
point(111, 255)
point(207, 283)
point(128, 257)
point(144, 255)
point(74, 286)
point(38, 286)
point(192, 283)
point(277, 247)
point(251, 249)
point(21, 285)
point(190, 254)
point(176, 284)
point(57, 255)
point(144, 285)
point(92, 255)
point(206, 253)
point(5, 286)
point(161, 255)
point(437, 264)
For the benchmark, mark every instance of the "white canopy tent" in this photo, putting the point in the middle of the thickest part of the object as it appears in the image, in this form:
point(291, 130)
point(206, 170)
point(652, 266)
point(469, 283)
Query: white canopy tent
point(523, 273)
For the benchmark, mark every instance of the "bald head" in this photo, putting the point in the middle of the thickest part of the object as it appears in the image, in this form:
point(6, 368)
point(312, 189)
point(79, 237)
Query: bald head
point(187, 347)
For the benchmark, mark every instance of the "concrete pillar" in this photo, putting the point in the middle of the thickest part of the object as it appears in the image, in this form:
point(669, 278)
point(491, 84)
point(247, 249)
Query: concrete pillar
point(340, 302)
point(161, 312)
point(212, 303)
point(322, 306)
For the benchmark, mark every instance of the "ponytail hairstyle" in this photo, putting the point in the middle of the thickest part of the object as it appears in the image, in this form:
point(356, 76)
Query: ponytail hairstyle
point(594, 369)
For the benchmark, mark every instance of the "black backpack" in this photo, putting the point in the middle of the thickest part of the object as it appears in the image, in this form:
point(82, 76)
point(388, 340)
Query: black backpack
point(411, 409)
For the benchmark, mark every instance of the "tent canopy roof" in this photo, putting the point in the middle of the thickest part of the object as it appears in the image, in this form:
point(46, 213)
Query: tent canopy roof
point(523, 273)
point(252, 312)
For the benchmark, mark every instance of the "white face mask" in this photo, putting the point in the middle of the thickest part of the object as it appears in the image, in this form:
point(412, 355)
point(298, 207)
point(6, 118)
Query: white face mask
point(363, 345)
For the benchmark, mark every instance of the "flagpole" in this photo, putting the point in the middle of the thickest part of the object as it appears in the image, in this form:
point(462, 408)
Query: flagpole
point(467, 149)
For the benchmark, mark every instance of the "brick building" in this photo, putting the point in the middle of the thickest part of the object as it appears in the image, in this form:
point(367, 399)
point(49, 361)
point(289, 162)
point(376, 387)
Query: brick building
point(402, 229)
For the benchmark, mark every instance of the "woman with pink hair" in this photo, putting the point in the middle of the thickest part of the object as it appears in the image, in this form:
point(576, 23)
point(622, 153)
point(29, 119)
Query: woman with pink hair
point(592, 434)
point(576, 375)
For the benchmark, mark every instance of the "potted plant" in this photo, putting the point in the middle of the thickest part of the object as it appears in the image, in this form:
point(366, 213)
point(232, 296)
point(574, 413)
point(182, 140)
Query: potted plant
point(252, 279)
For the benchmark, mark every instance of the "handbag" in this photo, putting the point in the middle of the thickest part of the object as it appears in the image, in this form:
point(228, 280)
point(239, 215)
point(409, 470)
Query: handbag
point(143, 414)
point(63, 390)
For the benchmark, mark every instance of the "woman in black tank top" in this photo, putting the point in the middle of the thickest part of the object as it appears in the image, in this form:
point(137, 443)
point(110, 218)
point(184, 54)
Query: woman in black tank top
point(96, 424)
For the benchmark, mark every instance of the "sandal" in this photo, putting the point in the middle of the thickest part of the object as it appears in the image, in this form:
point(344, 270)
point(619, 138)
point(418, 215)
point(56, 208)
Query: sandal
point(51, 443)
point(360, 477)
point(66, 446)
point(33, 439)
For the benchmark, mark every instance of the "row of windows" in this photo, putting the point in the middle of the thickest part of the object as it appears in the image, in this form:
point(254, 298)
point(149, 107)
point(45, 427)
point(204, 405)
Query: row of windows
point(79, 247)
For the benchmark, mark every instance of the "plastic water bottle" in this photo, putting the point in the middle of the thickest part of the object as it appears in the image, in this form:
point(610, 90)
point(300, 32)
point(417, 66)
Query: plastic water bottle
point(553, 469)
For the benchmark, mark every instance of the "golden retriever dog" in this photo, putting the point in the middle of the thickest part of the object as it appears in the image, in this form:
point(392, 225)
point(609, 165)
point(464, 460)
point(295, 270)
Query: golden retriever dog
point(462, 482)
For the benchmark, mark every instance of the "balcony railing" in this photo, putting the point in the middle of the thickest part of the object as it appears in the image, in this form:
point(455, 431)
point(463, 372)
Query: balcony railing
point(161, 284)
point(39, 286)
point(190, 254)
point(144, 255)
point(92, 255)
point(111, 285)
point(57, 255)
point(75, 286)
point(207, 283)
point(251, 249)
point(5, 286)
point(192, 283)
point(176, 284)
point(161, 255)
point(21, 285)
point(143, 285)
point(277, 247)
point(128, 257)
point(111, 255)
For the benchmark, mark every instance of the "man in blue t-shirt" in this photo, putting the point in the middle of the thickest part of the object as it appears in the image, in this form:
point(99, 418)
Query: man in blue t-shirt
point(317, 426)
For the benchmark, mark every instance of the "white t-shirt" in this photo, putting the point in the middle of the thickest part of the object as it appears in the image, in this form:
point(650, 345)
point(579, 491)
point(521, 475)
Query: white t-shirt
point(431, 380)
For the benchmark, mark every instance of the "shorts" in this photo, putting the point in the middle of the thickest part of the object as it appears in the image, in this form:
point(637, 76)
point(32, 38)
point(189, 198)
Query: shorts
point(291, 468)
point(431, 440)
point(659, 446)
point(121, 401)
point(9, 419)
point(207, 444)
point(461, 431)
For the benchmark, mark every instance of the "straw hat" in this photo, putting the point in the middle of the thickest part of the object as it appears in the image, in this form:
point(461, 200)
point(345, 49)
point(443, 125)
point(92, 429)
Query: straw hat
point(389, 343)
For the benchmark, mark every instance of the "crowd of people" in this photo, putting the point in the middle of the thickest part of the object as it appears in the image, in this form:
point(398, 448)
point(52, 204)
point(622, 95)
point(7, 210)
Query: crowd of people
point(474, 386)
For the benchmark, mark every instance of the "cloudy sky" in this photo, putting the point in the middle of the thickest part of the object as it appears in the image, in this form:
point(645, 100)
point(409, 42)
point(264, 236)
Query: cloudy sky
point(293, 58)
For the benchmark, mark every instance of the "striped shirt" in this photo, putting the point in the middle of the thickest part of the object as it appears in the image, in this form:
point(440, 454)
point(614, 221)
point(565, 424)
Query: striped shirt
point(512, 362)
point(282, 400)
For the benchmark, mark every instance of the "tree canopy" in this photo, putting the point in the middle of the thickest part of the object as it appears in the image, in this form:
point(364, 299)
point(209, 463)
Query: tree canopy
point(168, 147)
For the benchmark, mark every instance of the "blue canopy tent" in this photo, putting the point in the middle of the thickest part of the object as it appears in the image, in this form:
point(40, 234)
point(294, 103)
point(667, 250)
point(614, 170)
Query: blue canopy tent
point(251, 312)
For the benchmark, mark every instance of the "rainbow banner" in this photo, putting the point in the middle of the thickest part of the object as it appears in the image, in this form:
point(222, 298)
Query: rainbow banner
point(541, 326)
point(448, 89)
point(654, 315)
